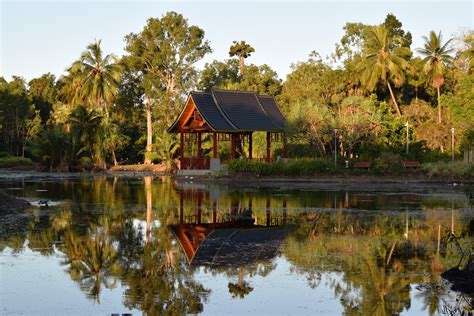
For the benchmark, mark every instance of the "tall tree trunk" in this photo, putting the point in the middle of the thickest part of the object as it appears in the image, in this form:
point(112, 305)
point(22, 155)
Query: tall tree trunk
point(393, 98)
point(439, 105)
point(113, 157)
point(149, 130)
point(112, 147)
point(241, 65)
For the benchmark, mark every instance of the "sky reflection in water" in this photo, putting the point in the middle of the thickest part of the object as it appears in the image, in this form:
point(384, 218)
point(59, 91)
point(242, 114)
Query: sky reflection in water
point(351, 252)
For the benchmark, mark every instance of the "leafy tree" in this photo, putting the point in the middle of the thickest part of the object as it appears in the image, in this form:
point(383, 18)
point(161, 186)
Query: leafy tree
point(224, 75)
point(218, 74)
point(242, 50)
point(460, 104)
point(260, 79)
point(43, 93)
point(164, 54)
point(128, 114)
point(394, 27)
point(436, 59)
point(313, 81)
point(32, 129)
point(16, 108)
point(383, 62)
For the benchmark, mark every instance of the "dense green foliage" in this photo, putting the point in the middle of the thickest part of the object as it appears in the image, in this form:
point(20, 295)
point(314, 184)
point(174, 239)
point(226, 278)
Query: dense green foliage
point(108, 110)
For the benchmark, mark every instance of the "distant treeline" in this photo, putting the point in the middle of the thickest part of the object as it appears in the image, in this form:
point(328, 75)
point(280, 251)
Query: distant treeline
point(361, 100)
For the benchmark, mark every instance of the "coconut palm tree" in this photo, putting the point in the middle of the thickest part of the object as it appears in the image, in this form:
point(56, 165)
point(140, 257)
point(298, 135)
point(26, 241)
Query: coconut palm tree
point(436, 60)
point(242, 50)
point(100, 76)
point(383, 61)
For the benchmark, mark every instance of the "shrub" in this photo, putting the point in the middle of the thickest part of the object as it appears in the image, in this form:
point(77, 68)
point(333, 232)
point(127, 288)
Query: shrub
point(435, 156)
point(388, 162)
point(456, 169)
point(12, 161)
point(293, 167)
point(153, 156)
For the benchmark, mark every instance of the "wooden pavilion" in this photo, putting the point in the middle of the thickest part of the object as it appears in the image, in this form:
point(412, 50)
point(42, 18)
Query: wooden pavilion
point(230, 116)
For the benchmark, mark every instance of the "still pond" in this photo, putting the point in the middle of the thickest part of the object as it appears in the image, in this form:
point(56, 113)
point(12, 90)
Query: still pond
point(152, 245)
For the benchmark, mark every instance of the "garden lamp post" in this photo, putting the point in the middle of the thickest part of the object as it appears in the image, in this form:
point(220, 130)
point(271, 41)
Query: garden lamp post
point(408, 140)
point(335, 147)
point(452, 143)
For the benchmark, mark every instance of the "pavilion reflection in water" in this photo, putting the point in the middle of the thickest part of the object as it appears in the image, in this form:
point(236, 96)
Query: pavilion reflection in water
point(232, 240)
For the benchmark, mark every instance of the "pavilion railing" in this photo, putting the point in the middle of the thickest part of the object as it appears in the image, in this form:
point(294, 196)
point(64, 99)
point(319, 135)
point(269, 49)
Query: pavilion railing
point(204, 163)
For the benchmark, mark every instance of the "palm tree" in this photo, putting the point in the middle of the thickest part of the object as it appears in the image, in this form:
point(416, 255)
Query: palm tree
point(100, 77)
point(436, 61)
point(242, 50)
point(383, 61)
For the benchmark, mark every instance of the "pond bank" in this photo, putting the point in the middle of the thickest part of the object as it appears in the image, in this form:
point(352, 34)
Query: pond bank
point(330, 182)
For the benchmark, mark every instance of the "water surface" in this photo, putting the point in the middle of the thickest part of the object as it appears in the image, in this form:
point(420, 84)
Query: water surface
point(150, 245)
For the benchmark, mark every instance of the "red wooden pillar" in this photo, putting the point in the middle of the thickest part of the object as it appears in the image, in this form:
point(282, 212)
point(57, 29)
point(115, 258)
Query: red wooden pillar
point(214, 145)
point(268, 146)
point(181, 150)
point(181, 207)
point(268, 212)
point(250, 146)
point(284, 211)
point(214, 212)
point(232, 141)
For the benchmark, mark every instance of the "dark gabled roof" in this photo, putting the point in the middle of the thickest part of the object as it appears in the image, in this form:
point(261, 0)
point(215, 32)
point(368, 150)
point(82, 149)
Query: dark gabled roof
point(273, 111)
point(210, 112)
point(244, 110)
point(228, 111)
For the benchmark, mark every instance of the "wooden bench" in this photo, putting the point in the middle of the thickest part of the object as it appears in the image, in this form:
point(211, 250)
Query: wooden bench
point(411, 164)
point(362, 165)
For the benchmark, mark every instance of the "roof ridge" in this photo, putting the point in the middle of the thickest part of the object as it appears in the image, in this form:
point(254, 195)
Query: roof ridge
point(236, 91)
point(200, 92)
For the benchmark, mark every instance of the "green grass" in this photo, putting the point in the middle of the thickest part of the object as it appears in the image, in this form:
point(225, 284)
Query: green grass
point(293, 167)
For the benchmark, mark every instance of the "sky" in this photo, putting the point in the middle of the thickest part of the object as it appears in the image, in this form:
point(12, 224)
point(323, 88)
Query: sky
point(38, 37)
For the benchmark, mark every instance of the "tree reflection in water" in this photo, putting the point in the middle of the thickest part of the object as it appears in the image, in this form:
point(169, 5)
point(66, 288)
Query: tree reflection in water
point(92, 260)
point(116, 232)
